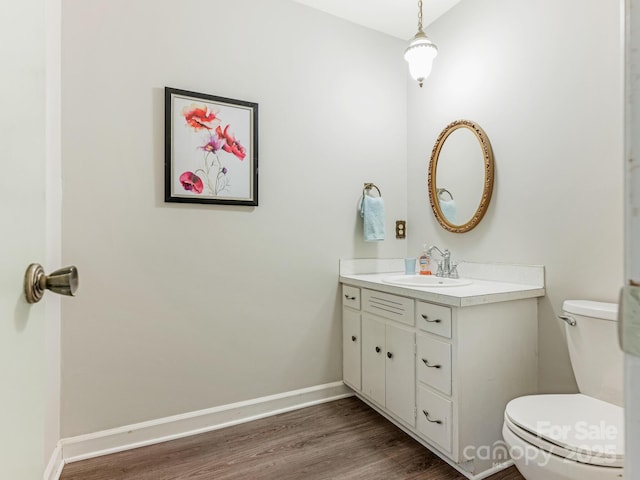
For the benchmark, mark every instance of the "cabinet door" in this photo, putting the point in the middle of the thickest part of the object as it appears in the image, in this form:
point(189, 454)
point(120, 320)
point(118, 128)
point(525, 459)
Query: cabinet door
point(373, 358)
point(351, 342)
point(400, 373)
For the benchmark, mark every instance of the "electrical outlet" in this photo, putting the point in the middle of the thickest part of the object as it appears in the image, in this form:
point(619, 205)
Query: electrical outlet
point(401, 229)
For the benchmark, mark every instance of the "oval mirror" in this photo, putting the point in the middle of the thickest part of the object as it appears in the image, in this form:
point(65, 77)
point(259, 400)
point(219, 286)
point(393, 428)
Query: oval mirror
point(460, 176)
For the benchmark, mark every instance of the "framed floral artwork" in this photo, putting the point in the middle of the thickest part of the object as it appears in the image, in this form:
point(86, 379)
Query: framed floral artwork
point(211, 149)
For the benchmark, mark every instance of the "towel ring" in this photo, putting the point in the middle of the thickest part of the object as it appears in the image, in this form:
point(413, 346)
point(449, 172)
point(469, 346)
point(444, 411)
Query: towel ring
point(441, 191)
point(369, 186)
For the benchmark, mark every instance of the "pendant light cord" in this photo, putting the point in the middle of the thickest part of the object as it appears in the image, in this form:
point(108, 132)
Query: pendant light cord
point(419, 15)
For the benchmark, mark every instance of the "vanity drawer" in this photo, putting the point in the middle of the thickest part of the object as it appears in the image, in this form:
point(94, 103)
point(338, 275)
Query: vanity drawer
point(435, 418)
point(434, 318)
point(351, 296)
point(434, 363)
point(388, 306)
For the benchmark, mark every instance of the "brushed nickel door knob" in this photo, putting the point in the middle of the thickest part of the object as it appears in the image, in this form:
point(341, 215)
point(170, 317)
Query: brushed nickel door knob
point(63, 281)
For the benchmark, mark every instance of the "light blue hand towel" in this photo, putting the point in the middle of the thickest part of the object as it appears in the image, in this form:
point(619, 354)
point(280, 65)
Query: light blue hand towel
point(372, 213)
point(449, 210)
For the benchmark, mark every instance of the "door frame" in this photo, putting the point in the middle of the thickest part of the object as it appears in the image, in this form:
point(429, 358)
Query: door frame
point(632, 221)
point(53, 235)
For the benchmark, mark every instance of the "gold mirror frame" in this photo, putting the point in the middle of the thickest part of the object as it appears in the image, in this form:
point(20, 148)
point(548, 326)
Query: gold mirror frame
point(487, 153)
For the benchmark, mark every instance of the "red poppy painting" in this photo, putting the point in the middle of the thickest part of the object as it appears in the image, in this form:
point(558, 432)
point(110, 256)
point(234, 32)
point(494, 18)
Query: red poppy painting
point(211, 149)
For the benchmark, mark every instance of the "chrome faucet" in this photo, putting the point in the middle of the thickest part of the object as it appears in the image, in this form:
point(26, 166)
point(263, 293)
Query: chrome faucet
point(447, 269)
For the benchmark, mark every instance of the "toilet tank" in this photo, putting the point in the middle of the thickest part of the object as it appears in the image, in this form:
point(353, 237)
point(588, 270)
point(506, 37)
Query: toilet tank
point(596, 358)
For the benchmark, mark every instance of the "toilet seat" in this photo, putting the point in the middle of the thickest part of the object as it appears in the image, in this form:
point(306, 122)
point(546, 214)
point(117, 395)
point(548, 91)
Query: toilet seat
point(576, 427)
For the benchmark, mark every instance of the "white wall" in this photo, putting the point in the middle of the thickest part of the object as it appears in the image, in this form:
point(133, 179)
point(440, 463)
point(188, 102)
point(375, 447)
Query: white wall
point(544, 80)
point(184, 307)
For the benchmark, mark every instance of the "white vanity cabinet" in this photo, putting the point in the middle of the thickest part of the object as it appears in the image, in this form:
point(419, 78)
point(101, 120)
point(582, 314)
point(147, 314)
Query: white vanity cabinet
point(442, 373)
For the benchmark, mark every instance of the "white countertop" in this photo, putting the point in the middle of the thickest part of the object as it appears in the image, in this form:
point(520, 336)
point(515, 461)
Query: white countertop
point(477, 293)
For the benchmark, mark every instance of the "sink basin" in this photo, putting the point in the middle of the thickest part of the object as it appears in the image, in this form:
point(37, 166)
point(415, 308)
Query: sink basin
point(425, 281)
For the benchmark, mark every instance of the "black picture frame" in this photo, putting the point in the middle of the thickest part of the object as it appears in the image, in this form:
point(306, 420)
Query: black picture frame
point(211, 149)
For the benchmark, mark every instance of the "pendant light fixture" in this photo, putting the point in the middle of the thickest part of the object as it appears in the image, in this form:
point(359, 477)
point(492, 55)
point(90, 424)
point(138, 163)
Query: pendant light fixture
point(420, 52)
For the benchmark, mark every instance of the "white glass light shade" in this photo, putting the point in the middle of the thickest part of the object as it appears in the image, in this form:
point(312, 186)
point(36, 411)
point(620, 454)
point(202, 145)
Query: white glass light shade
point(419, 55)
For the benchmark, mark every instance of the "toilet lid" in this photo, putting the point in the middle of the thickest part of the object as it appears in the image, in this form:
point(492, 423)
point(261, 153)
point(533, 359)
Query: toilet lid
point(586, 429)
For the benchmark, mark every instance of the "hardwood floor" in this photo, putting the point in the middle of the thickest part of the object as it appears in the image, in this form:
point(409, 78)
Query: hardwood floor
point(344, 439)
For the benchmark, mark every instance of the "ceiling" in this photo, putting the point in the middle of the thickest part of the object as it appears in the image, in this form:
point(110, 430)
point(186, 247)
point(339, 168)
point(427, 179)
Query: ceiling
point(398, 18)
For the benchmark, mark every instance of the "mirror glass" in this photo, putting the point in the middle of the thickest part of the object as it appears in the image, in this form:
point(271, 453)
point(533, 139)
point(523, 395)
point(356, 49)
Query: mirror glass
point(461, 176)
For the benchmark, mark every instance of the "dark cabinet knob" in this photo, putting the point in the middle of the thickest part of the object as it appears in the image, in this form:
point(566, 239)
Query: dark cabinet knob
point(353, 338)
point(377, 349)
point(389, 355)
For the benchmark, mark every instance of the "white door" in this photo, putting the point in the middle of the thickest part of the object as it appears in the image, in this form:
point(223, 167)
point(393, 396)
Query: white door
point(24, 391)
point(632, 230)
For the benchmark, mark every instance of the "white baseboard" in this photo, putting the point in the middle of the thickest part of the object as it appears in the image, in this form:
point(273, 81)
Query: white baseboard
point(178, 426)
point(54, 467)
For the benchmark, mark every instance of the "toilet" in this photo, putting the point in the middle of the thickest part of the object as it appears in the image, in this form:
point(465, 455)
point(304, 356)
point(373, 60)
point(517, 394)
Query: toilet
point(575, 436)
